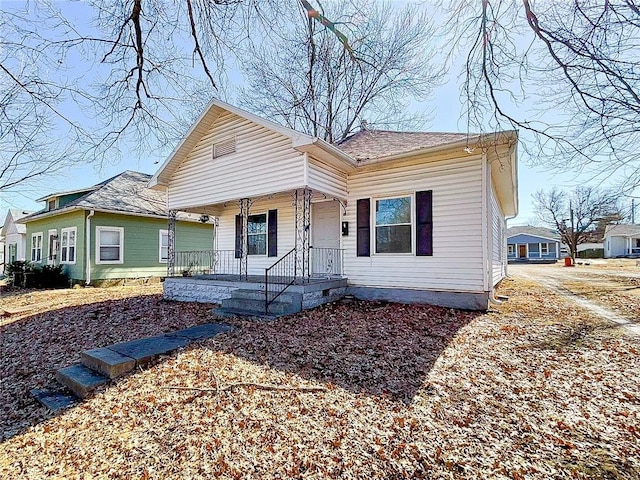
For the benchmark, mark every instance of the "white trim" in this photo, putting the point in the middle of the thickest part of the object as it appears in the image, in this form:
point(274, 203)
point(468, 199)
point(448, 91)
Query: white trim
point(160, 234)
point(411, 223)
point(120, 230)
point(68, 231)
point(36, 235)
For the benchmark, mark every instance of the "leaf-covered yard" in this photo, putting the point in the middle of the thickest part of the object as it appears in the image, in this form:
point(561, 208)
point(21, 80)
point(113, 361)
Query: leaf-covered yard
point(533, 389)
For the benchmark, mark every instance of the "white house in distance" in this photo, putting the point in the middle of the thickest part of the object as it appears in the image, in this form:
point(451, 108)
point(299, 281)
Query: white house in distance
point(15, 236)
point(621, 241)
point(412, 217)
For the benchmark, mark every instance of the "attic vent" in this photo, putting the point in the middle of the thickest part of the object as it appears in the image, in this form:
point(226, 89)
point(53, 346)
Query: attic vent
point(225, 147)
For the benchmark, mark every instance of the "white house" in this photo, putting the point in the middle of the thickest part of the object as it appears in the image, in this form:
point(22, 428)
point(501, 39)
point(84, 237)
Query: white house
point(15, 236)
point(414, 217)
point(621, 241)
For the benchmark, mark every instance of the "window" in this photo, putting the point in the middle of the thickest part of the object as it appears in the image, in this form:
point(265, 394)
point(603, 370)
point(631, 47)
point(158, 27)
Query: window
point(511, 249)
point(51, 204)
point(163, 249)
point(68, 245)
point(393, 225)
point(13, 252)
point(224, 147)
point(109, 245)
point(544, 248)
point(257, 234)
point(36, 247)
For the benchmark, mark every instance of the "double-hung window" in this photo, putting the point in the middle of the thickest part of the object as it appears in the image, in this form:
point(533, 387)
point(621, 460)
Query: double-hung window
point(163, 246)
point(109, 245)
point(393, 225)
point(68, 245)
point(257, 234)
point(36, 247)
point(544, 249)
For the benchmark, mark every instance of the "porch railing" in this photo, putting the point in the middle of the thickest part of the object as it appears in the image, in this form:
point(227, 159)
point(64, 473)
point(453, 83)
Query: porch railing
point(326, 262)
point(202, 262)
point(278, 277)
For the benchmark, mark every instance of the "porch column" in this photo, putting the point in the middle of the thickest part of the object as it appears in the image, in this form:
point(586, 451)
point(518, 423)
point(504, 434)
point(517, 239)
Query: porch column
point(302, 207)
point(244, 204)
point(171, 242)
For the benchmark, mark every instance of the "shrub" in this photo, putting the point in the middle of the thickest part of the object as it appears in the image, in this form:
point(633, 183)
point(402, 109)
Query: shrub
point(27, 275)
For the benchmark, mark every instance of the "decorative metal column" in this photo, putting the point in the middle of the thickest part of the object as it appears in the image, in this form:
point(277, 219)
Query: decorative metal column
point(171, 243)
point(244, 204)
point(302, 208)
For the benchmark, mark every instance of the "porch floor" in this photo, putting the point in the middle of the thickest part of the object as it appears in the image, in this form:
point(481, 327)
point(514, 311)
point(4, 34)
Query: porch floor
point(259, 279)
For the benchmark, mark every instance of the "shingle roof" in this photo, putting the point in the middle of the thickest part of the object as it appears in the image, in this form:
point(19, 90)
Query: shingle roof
point(125, 193)
point(622, 230)
point(374, 144)
point(534, 231)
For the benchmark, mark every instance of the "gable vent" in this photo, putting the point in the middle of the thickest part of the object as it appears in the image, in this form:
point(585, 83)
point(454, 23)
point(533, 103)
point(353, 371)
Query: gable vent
point(223, 148)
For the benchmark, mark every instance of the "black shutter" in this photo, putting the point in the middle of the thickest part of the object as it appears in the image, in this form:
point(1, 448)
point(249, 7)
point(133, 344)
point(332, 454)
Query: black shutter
point(363, 227)
point(272, 229)
point(424, 223)
point(238, 236)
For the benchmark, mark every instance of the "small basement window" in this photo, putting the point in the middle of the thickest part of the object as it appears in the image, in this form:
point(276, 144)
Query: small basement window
point(224, 148)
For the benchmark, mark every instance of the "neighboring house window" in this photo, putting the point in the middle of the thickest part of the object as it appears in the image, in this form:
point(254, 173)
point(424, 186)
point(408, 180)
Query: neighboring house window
point(53, 246)
point(224, 148)
point(163, 242)
point(393, 225)
point(544, 248)
point(36, 247)
point(51, 204)
point(13, 252)
point(109, 245)
point(511, 249)
point(68, 245)
point(257, 234)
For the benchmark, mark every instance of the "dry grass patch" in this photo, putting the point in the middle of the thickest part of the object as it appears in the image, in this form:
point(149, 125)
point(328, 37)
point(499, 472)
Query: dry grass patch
point(536, 389)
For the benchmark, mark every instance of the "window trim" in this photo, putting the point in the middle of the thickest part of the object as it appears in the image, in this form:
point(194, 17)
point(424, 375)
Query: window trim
point(99, 230)
point(544, 248)
point(511, 249)
point(35, 235)
point(266, 234)
point(162, 232)
point(412, 224)
point(75, 244)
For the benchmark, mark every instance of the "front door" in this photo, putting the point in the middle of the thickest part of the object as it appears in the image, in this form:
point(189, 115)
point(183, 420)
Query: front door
point(523, 251)
point(325, 239)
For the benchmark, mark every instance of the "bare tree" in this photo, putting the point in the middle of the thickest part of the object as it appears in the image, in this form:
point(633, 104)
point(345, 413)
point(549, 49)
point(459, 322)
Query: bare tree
point(576, 215)
point(577, 60)
point(308, 79)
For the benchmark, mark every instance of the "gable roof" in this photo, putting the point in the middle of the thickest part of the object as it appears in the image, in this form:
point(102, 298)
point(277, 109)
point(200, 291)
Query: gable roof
point(13, 215)
point(622, 230)
point(126, 193)
point(541, 232)
point(299, 141)
point(375, 144)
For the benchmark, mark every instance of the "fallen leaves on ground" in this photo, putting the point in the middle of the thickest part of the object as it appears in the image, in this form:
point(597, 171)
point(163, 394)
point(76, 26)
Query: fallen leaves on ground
point(535, 389)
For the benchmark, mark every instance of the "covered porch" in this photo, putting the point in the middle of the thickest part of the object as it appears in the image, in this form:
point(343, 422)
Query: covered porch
point(272, 246)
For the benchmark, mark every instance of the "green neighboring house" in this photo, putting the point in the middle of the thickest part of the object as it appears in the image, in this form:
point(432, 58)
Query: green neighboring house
point(113, 230)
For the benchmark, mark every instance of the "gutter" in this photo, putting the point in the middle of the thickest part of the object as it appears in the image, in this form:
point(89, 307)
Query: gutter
point(87, 227)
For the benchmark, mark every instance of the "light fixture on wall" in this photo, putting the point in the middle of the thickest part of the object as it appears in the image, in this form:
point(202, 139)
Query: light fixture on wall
point(204, 218)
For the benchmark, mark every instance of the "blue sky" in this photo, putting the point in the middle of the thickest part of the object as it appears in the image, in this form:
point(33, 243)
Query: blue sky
point(445, 104)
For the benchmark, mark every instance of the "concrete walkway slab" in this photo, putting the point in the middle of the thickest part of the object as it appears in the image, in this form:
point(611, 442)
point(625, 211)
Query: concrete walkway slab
point(108, 362)
point(145, 349)
point(80, 380)
point(54, 401)
point(199, 332)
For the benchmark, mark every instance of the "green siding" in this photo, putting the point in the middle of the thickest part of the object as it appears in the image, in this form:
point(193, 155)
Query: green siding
point(67, 199)
point(58, 222)
point(141, 243)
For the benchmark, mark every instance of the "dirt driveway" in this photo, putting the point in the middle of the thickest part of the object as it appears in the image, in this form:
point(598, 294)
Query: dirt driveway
point(608, 288)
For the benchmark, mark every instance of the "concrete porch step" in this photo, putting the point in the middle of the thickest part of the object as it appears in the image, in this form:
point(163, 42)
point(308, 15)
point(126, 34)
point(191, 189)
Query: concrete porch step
point(257, 306)
point(294, 298)
point(81, 380)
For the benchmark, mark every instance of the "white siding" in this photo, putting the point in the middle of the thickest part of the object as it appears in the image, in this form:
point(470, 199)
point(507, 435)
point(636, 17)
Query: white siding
point(263, 163)
point(226, 232)
point(456, 264)
point(498, 254)
point(326, 179)
point(21, 241)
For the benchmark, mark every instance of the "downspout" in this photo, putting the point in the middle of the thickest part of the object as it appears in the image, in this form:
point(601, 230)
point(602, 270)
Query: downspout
point(87, 229)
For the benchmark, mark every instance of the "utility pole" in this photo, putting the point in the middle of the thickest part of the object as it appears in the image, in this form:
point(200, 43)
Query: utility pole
point(633, 211)
point(573, 247)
